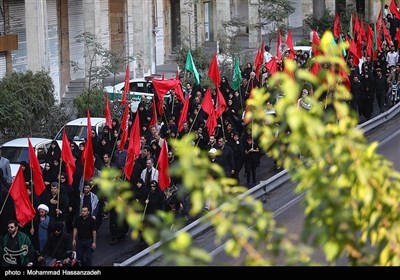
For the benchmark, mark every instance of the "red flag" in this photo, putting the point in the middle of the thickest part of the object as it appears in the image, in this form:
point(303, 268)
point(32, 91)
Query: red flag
point(315, 68)
point(221, 104)
point(133, 151)
point(207, 104)
point(87, 156)
point(153, 120)
point(397, 37)
point(184, 112)
point(279, 47)
point(315, 43)
point(213, 71)
point(162, 87)
point(107, 113)
point(38, 183)
point(272, 66)
point(23, 207)
point(363, 36)
point(356, 26)
point(259, 59)
point(124, 127)
point(388, 38)
point(336, 26)
point(68, 158)
point(163, 167)
point(393, 9)
point(211, 123)
point(126, 86)
point(179, 93)
point(289, 43)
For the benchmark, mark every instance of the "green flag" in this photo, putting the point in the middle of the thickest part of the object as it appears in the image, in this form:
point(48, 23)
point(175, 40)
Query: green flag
point(191, 67)
point(344, 49)
point(237, 75)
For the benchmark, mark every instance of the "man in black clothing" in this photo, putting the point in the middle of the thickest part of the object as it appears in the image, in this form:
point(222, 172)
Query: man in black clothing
point(58, 246)
point(226, 158)
point(381, 89)
point(84, 237)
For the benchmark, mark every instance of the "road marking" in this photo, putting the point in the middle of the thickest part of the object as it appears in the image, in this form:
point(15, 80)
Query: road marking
point(383, 142)
point(277, 212)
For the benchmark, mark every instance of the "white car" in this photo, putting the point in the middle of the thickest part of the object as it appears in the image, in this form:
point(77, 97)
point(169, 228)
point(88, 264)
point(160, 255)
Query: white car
point(77, 129)
point(17, 150)
point(305, 49)
point(137, 89)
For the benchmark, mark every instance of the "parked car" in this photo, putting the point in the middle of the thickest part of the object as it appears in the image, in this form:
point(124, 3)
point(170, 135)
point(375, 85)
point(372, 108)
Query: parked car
point(138, 89)
point(17, 150)
point(304, 49)
point(77, 129)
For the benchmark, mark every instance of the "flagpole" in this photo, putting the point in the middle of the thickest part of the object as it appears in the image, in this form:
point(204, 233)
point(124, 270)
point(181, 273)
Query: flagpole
point(31, 196)
point(155, 109)
point(59, 185)
point(115, 143)
point(222, 126)
point(145, 207)
point(4, 203)
point(191, 127)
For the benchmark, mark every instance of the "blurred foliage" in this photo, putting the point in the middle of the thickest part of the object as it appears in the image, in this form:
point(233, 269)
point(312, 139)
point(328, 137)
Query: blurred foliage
point(27, 104)
point(351, 192)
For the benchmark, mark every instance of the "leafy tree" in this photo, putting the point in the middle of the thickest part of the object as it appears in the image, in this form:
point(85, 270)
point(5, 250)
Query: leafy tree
point(27, 101)
point(273, 15)
point(102, 63)
point(351, 192)
point(320, 24)
point(96, 105)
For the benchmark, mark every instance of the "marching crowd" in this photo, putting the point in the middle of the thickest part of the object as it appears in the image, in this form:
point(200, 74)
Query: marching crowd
point(68, 216)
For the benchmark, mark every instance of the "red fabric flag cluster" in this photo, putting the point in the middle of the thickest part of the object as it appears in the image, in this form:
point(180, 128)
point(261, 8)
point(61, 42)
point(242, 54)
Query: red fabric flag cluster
point(107, 113)
point(183, 116)
point(38, 183)
point(336, 26)
point(163, 167)
point(153, 120)
point(393, 9)
point(162, 87)
point(126, 86)
point(289, 43)
point(133, 151)
point(259, 60)
point(213, 71)
point(23, 207)
point(208, 107)
point(315, 43)
point(87, 155)
point(124, 127)
point(279, 47)
point(68, 158)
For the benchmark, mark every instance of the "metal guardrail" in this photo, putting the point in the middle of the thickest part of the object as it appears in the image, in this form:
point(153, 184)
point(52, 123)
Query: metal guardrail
point(196, 228)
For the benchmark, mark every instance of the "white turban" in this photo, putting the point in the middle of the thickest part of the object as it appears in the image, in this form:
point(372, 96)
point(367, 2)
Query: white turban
point(43, 207)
